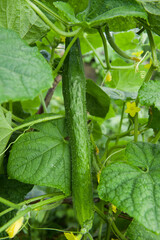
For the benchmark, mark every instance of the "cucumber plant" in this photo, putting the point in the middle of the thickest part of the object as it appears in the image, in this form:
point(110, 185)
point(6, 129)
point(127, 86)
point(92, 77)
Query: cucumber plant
point(84, 150)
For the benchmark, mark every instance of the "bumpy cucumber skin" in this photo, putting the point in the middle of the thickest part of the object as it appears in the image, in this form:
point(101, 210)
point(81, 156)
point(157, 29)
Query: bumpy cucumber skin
point(74, 92)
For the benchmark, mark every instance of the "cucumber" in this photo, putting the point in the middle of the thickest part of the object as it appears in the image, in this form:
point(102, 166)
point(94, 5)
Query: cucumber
point(74, 92)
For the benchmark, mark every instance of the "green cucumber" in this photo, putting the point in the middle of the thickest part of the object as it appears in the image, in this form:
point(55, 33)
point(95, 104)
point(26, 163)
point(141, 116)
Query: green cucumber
point(74, 92)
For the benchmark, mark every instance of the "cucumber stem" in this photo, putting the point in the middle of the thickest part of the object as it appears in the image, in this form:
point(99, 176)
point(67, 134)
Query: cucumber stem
point(51, 12)
point(66, 52)
point(49, 23)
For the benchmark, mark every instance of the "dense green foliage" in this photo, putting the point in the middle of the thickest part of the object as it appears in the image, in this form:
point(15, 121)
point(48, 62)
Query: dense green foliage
point(79, 157)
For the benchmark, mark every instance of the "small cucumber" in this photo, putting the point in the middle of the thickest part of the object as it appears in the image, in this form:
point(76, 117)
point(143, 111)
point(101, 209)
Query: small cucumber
point(74, 92)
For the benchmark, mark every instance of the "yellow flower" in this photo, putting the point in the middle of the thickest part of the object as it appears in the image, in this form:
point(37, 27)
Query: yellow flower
point(132, 109)
point(114, 208)
point(108, 77)
point(71, 236)
point(137, 54)
point(98, 176)
point(13, 229)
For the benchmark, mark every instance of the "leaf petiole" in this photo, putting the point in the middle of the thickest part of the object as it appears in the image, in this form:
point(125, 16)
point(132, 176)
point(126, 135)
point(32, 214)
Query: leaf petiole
point(49, 23)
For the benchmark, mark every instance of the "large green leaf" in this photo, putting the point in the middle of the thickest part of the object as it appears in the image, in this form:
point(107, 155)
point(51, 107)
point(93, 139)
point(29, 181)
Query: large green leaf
point(94, 39)
point(134, 186)
point(119, 14)
point(24, 73)
point(128, 80)
point(19, 16)
point(126, 40)
point(42, 157)
point(5, 133)
point(149, 94)
point(118, 94)
point(153, 10)
point(137, 232)
point(13, 191)
point(97, 100)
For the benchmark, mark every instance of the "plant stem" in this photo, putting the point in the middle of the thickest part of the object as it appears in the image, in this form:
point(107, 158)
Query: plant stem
point(26, 202)
point(48, 10)
point(122, 67)
point(30, 208)
point(17, 119)
point(155, 140)
point(149, 73)
point(43, 103)
point(136, 128)
point(29, 124)
point(120, 124)
point(49, 23)
point(109, 220)
point(108, 231)
point(105, 48)
point(8, 203)
point(94, 51)
point(116, 230)
point(66, 52)
point(114, 46)
point(153, 48)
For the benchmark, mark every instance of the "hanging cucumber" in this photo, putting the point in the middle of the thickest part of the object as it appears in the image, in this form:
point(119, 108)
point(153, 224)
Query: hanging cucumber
point(74, 92)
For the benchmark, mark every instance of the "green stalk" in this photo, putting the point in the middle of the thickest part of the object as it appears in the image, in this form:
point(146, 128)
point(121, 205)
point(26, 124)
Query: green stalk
point(108, 231)
point(51, 12)
point(43, 103)
point(105, 48)
point(109, 220)
point(149, 73)
point(8, 203)
point(30, 208)
point(136, 128)
point(153, 48)
point(94, 51)
point(29, 124)
point(114, 46)
point(49, 23)
point(155, 140)
point(122, 67)
point(17, 119)
point(120, 124)
point(25, 203)
point(66, 52)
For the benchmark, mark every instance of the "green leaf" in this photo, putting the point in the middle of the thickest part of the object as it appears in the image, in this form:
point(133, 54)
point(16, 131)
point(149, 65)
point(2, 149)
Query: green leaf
point(19, 16)
point(119, 14)
point(153, 10)
point(126, 40)
point(42, 157)
point(78, 6)
point(13, 191)
point(134, 186)
point(24, 73)
point(128, 80)
point(137, 232)
point(149, 94)
point(94, 39)
point(97, 100)
point(66, 10)
point(5, 133)
point(118, 94)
